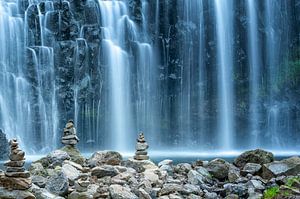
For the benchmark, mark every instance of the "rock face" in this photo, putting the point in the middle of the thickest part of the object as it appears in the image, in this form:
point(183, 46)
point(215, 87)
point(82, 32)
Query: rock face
point(257, 156)
point(290, 166)
point(70, 137)
point(3, 146)
point(15, 176)
point(141, 148)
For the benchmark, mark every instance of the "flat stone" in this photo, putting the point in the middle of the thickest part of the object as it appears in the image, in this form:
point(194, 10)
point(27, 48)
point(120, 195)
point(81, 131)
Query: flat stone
point(15, 169)
point(103, 171)
point(24, 174)
point(120, 192)
point(69, 142)
point(141, 153)
point(14, 163)
point(141, 146)
point(69, 125)
point(69, 137)
point(141, 157)
point(15, 183)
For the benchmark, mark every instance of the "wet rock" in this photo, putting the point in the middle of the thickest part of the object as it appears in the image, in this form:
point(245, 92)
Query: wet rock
point(74, 153)
point(57, 157)
point(290, 166)
point(37, 169)
point(218, 168)
point(70, 172)
point(105, 157)
point(258, 156)
point(58, 184)
point(233, 173)
point(251, 168)
point(103, 171)
point(121, 192)
point(40, 181)
point(3, 146)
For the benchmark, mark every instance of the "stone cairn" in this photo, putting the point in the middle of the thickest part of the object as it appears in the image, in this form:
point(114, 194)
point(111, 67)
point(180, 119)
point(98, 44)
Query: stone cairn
point(70, 138)
point(15, 177)
point(141, 148)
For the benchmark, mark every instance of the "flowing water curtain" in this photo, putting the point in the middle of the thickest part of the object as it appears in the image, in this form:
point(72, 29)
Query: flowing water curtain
point(15, 113)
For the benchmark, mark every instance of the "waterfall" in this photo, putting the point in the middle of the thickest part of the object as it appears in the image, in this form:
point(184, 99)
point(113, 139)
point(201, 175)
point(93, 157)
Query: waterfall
point(200, 75)
point(225, 70)
point(255, 66)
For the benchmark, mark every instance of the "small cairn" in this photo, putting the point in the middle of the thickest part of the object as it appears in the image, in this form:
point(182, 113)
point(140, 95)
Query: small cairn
point(141, 148)
point(70, 138)
point(15, 177)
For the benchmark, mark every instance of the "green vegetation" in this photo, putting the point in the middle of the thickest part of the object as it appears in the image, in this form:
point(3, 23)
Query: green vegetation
point(271, 192)
point(291, 181)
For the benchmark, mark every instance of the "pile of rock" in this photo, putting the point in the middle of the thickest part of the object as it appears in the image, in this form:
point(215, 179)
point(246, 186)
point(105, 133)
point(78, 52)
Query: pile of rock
point(15, 176)
point(70, 138)
point(141, 148)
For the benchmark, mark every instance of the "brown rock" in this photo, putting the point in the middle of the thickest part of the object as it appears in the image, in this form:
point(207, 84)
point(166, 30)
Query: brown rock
point(14, 163)
point(15, 169)
point(15, 183)
point(25, 174)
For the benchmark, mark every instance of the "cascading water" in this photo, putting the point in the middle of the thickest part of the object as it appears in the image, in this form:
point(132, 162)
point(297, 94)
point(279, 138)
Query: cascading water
point(225, 63)
point(254, 71)
point(191, 74)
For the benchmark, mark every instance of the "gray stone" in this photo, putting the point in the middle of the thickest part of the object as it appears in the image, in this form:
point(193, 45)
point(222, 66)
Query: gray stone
point(218, 168)
point(251, 168)
point(58, 184)
point(58, 156)
point(70, 172)
point(40, 181)
point(15, 169)
point(14, 163)
point(103, 171)
point(286, 167)
point(258, 156)
point(171, 188)
point(165, 162)
point(121, 192)
point(141, 146)
point(105, 157)
point(233, 173)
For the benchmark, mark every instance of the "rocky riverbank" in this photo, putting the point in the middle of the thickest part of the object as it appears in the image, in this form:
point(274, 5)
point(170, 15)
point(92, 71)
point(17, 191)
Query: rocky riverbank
point(64, 173)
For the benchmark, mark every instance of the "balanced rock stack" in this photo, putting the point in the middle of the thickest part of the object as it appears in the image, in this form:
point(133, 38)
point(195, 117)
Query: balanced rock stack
point(70, 137)
point(141, 148)
point(15, 177)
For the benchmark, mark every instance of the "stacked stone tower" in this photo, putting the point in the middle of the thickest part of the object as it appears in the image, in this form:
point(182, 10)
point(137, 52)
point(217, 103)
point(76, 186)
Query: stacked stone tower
point(141, 148)
point(15, 176)
point(70, 137)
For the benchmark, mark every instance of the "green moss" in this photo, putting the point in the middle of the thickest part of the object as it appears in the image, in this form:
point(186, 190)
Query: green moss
point(271, 193)
point(291, 181)
point(75, 154)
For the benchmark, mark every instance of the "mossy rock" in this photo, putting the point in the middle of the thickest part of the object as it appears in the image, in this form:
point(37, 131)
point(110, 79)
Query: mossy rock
point(75, 154)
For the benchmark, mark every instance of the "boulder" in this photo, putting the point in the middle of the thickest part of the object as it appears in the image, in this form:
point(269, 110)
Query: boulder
point(40, 181)
point(41, 193)
point(218, 168)
point(103, 171)
point(258, 156)
point(70, 172)
point(121, 192)
point(290, 166)
point(105, 157)
point(74, 153)
point(57, 157)
point(251, 168)
point(58, 184)
point(139, 165)
point(37, 169)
